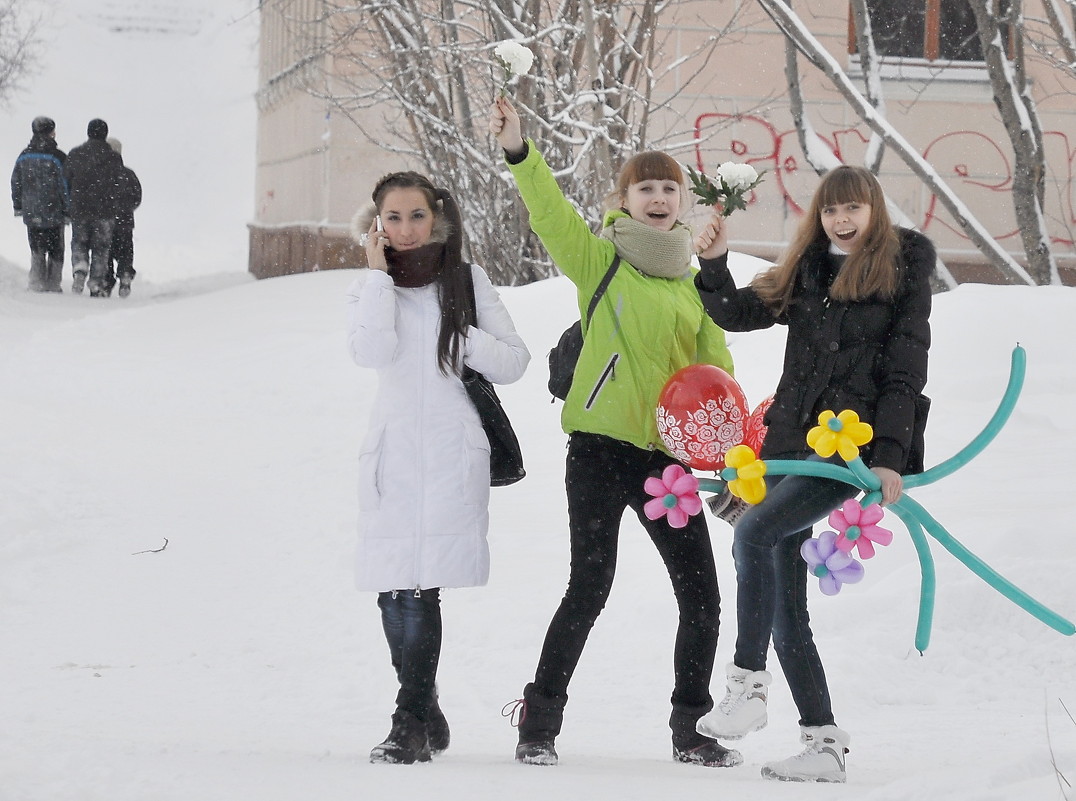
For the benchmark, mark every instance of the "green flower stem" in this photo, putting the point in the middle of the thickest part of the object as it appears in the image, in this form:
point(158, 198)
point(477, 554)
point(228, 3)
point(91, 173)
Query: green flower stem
point(928, 582)
point(985, 572)
point(974, 448)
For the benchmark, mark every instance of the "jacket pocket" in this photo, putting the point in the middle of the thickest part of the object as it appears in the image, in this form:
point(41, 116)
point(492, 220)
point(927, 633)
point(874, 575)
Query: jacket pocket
point(371, 470)
point(608, 374)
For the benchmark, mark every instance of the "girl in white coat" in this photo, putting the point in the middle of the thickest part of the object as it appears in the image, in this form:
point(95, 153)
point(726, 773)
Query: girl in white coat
point(424, 464)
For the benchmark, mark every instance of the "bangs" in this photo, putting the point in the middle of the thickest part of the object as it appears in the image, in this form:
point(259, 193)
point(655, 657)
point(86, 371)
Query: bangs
point(653, 166)
point(845, 185)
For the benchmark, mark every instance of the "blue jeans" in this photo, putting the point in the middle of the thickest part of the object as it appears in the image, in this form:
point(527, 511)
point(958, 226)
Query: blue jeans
point(771, 579)
point(91, 241)
point(412, 623)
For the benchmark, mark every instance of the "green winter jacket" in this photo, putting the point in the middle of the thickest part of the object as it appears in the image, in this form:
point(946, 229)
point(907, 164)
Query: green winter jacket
point(644, 328)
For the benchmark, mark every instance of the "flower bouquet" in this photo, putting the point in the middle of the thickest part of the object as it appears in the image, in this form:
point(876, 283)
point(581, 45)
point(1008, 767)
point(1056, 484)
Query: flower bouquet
point(732, 183)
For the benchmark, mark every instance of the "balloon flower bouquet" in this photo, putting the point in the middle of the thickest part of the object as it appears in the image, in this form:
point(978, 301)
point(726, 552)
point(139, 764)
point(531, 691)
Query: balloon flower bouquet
point(703, 421)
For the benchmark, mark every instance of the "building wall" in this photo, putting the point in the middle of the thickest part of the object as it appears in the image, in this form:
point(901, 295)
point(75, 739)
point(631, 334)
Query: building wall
point(312, 167)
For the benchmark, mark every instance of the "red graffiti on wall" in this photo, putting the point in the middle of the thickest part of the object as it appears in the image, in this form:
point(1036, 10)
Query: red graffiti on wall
point(974, 165)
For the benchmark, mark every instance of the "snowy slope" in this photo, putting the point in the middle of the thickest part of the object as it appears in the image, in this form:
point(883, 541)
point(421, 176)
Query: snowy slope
point(239, 662)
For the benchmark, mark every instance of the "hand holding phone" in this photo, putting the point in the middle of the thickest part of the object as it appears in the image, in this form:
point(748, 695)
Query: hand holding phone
point(377, 220)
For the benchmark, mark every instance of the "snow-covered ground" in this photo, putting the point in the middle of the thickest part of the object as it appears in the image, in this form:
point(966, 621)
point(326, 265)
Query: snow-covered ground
point(223, 416)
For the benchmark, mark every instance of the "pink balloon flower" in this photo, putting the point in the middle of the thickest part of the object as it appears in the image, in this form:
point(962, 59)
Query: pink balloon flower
point(676, 495)
point(832, 567)
point(858, 529)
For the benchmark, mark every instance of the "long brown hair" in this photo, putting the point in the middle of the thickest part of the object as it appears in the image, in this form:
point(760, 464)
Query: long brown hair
point(872, 271)
point(453, 284)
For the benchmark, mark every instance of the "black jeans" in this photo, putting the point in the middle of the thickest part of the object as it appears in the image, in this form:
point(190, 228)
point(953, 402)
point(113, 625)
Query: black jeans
point(121, 253)
point(46, 258)
point(604, 477)
point(771, 579)
point(412, 623)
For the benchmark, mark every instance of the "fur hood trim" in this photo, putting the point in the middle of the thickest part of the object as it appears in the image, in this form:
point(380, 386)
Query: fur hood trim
point(364, 218)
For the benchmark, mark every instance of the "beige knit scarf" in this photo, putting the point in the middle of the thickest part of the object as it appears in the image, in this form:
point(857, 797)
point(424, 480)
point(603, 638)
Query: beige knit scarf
point(662, 254)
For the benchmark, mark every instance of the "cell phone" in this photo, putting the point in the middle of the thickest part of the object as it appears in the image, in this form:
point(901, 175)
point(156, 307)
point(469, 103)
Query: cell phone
point(380, 227)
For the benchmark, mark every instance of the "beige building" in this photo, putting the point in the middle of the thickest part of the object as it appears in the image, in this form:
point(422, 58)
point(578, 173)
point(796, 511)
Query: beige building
point(314, 168)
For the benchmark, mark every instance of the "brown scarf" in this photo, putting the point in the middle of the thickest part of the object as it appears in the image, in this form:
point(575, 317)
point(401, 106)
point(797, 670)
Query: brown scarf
point(418, 267)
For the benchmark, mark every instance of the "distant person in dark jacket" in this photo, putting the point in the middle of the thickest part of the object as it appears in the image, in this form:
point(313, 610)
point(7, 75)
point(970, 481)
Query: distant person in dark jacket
point(128, 198)
point(92, 171)
point(39, 195)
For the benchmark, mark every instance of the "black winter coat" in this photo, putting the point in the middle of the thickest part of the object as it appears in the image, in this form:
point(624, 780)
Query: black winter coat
point(92, 171)
point(38, 189)
point(128, 197)
point(868, 356)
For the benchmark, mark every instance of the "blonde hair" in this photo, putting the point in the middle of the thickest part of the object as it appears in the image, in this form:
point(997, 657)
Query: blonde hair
point(872, 271)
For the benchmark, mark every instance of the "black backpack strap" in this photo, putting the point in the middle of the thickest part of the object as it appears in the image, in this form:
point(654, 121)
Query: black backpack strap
point(604, 285)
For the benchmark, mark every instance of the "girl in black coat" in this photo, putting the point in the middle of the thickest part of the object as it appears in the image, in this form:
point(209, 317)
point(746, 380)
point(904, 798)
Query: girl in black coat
point(854, 292)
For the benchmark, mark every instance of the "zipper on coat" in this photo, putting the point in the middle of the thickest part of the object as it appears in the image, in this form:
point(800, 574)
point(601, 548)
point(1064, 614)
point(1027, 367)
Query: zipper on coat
point(420, 468)
point(609, 373)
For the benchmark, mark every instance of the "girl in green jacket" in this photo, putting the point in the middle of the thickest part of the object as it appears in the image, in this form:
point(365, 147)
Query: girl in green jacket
point(648, 324)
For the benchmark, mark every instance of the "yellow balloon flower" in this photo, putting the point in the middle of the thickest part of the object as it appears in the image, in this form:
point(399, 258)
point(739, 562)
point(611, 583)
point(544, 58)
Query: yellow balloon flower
point(748, 483)
point(842, 433)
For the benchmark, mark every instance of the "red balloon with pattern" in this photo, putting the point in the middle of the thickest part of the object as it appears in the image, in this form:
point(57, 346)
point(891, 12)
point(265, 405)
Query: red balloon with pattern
point(755, 430)
point(701, 413)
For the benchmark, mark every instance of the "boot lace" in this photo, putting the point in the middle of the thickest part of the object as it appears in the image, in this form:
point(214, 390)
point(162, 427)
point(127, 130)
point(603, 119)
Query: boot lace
point(515, 711)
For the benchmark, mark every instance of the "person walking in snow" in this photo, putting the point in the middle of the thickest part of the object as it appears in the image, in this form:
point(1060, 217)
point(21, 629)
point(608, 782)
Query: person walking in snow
point(92, 171)
point(39, 195)
point(424, 472)
point(128, 194)
point(648, 324)
point(854, 292)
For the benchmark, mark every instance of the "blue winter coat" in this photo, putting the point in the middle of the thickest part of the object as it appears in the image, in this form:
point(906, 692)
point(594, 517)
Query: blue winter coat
point(38, 190)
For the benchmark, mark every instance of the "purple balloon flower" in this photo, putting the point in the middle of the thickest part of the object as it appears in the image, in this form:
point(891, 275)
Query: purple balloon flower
point(833, 567)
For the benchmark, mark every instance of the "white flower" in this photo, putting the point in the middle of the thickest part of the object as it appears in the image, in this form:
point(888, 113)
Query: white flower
point(514, 59)
point(729, 189)
point(737, 176)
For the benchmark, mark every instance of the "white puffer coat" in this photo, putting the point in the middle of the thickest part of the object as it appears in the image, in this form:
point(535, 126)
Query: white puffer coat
point(424, 464)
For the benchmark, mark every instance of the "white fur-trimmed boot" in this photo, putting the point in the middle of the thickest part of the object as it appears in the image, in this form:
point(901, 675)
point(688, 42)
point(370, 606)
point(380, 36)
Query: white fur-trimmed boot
point(823, 759)
point(743, 709)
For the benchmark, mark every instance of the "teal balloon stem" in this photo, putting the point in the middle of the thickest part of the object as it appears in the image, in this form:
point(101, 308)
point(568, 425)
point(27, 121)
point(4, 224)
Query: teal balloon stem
point(1017, 370)
point(797, 467)
point(928, 583)
point(985, 572)
point(863, 473)
point(711, 485)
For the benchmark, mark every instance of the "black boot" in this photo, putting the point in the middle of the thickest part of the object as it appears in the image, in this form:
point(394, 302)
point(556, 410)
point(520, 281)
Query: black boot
point(407, 742)
point(539, 725)
point(437, 728)
point(697, 749)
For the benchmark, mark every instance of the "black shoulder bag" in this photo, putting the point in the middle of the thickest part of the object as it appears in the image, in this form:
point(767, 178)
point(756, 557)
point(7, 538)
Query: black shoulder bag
point(565, 354)
point(505, 456)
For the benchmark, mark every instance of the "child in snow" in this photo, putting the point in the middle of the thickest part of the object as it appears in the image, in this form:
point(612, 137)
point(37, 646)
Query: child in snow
point(647, 325)
point(424, 471)
point(854, 292)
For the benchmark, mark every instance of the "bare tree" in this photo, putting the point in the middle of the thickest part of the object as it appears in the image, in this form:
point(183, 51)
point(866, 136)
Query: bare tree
point(417, 76)
point(1054, 37)
point(18, 42)
point(798, 34)
point(1012, 96)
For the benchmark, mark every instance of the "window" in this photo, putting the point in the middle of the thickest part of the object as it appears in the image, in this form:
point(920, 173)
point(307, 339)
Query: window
point(933, 30)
